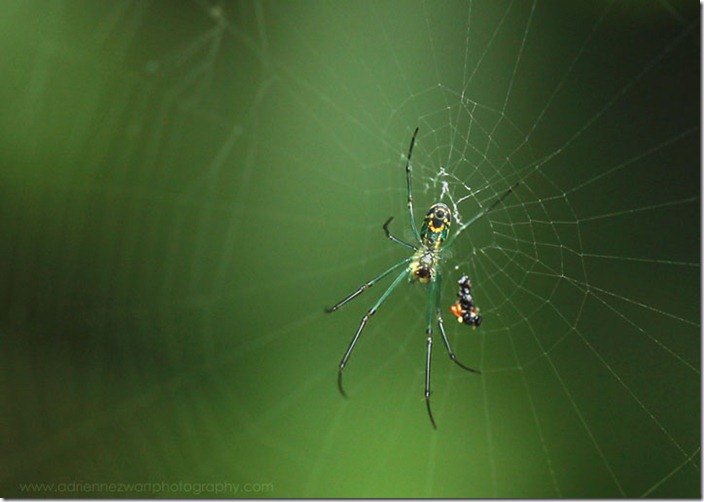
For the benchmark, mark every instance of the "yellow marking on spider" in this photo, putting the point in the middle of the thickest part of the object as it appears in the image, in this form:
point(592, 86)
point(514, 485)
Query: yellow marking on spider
point(433, 228)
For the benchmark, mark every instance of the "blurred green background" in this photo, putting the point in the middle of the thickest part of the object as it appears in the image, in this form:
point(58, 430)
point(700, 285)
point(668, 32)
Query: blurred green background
point(185, 185)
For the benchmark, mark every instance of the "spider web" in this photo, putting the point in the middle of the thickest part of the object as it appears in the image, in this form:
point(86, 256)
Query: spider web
point(186, 186)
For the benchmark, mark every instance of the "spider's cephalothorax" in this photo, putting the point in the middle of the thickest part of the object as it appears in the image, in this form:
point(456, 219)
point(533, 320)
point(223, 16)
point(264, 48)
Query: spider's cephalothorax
point(433, 233)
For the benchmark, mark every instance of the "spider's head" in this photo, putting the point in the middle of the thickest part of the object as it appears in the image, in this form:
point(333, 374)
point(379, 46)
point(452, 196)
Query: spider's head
point(436, 226)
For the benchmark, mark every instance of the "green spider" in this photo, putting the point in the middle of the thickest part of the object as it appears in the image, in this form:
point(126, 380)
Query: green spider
point(422, 266)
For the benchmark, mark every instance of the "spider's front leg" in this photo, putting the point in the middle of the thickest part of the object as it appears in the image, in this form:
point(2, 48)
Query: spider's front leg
point(441, 325)
point(434, 297)
point(366, 286)
point(365, 318)
point(433, 300)
point(428, 350)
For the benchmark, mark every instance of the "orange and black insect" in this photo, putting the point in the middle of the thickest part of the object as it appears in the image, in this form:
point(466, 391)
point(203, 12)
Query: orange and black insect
point(464, 308)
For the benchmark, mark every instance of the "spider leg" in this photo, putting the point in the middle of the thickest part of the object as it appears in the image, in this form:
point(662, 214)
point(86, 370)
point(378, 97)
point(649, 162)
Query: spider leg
point(433, 301)
point(363, 323)
point(396, 239)
point(441, 325)
point(449, 349)
point(428, 349)
point(408, 182)
point(366, 285)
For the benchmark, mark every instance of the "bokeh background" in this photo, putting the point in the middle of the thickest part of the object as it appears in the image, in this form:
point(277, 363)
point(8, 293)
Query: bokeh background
point(185, 185)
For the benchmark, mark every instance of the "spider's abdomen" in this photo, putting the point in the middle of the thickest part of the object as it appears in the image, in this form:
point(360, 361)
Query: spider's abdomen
point(435, 229)
point(436, 226)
